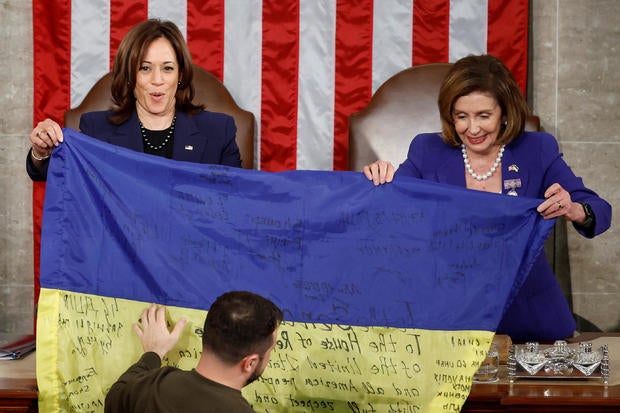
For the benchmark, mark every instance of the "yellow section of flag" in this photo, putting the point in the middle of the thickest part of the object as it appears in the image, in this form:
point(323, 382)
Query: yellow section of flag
point(84, 342)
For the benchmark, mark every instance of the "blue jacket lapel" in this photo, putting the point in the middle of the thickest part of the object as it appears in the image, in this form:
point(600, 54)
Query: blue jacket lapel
point(452, 169)
point(513, 174)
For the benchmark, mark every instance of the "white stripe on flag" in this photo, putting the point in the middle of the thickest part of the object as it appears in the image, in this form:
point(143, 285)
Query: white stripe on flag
point(392, 48)
point(173, 10)
point(392, 42)
point(243, 59)
point(315, 111)
point(468, 28)
point(90, 45)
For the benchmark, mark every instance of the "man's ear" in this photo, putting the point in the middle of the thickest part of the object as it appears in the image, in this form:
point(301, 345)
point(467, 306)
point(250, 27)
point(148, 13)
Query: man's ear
point(250, 362)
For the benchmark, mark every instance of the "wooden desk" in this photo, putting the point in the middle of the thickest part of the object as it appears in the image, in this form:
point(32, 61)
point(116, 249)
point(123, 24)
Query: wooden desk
point(548, 396)
point(18, 385)
point(530, 396)
point(18, 392)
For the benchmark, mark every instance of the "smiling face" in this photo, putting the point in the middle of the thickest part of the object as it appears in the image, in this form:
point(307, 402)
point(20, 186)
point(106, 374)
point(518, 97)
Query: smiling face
point(477, 120)
point(156, 82)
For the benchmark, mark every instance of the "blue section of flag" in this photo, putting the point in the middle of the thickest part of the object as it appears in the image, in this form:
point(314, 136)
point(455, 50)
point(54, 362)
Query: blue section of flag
point(327, 247)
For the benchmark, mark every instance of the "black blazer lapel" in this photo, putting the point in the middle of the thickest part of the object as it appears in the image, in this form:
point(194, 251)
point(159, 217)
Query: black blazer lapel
point(128, 134)
point(189, 144)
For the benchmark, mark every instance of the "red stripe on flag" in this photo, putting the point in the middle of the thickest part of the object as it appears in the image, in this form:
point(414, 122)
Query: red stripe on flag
point(123, 16)
point(51, 25)
point(353, 70)
point(38, 196)
point(52, 65)
point(507, 36)
point(431, 31)
point(205, 34)
point(279, 91)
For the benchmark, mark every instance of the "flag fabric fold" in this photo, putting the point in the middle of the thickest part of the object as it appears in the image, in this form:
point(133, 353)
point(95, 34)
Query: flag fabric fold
point(391, 294)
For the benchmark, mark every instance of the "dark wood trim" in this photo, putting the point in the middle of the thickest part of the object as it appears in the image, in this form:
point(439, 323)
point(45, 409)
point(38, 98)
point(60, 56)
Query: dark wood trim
point(18, 395)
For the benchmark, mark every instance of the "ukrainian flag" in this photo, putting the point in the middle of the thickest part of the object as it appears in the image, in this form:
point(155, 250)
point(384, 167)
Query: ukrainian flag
point(391, 294)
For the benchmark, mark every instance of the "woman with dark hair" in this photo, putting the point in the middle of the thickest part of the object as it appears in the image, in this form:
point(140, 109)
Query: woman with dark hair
point(483, 146)
point(152, 91)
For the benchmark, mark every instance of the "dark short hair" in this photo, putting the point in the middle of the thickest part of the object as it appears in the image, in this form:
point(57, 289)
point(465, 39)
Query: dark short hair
point(240, 323)
point(130, 55)
point(484, 73)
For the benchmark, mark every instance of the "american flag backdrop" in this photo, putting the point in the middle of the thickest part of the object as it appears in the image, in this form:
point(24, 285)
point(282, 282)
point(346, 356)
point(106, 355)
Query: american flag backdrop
point(301, 66)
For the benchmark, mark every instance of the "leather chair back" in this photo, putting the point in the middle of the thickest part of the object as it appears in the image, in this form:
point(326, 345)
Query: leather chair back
point(404, 106)
point(209, 92)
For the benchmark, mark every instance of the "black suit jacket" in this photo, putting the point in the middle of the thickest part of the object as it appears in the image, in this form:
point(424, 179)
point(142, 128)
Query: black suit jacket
point(206, 137)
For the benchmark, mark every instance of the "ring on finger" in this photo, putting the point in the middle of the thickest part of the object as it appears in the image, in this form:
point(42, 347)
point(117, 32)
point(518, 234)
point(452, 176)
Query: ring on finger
point(560, 205)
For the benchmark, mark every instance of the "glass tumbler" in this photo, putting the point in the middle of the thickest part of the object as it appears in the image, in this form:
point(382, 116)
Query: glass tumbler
point(487, 373)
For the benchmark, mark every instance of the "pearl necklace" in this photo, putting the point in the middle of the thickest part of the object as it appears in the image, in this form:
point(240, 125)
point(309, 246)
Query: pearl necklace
point(165, 141)
point(487, 175)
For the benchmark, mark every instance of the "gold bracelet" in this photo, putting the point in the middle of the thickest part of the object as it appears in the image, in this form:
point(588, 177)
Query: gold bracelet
point(38, 158)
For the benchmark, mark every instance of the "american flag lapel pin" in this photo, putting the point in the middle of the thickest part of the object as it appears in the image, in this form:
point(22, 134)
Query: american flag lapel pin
point(189, 148)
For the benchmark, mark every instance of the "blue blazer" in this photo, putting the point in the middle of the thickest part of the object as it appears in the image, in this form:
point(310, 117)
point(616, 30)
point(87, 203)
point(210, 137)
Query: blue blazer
point(540, 311)
point(205, 137)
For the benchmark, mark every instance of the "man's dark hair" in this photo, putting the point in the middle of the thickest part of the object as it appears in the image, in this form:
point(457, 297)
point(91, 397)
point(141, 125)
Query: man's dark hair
point(240, 323)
